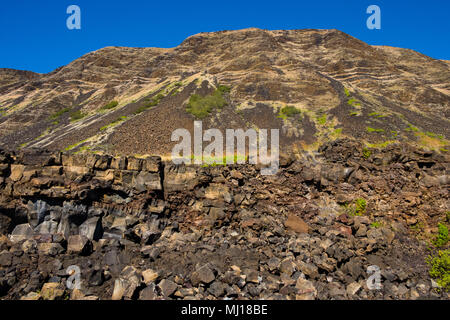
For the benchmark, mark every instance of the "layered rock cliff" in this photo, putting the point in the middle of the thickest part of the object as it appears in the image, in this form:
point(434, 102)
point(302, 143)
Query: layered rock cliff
point(141, 228)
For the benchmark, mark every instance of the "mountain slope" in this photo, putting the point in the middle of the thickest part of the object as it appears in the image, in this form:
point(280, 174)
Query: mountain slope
point(340, 86)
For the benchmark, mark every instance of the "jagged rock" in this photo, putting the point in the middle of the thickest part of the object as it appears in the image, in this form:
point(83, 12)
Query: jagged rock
point(252, 276)
point(215, 214)
point(126, 285)
point(231, 277)
point(119, 289)
point(29, 246)
point(169, 231)
point(77, 295)
point(31, 296)
point(149, 276)
point(92, 228)
point(21, 232)
point(5, 224)
point(50, 249)
point(287, 266)
point(184, 293)
point(5, 258)
point(217, 289)
point(381, 234)
point(179, 178)
point(75, 213)
point(52, 291)
point(16, 172)
point(296, 224)
point(362, 231)
point(119, 163)
point(79, 244)
point(359, 220)
point(273, 263)
point(305, 290)
point(96, 278)
point(353, 288)
point(148, 293)
point(167, 287)
point(308, 269)
point(47, 227)
point(147, 181)
point(37, 211)
point(336, 290)
point(353, 268)
point(150, 252)
point(202, 275)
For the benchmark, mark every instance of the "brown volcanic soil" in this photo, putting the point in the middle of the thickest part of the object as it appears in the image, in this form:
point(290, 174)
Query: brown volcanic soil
point(401, 94)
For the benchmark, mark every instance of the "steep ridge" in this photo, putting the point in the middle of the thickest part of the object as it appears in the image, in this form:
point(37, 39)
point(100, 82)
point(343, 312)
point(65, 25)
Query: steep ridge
point(340, 85)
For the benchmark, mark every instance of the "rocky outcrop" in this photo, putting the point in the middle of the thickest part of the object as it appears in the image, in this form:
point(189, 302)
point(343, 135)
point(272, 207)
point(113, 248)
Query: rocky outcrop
point(144, 229)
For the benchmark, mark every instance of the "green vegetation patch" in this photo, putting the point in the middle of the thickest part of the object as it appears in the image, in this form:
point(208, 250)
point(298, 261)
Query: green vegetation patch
point(369, 129)
point(347, 93)
point(412, 128)
point(83, 149)
point(337, 131)
point(322, 119)
point(360, 205)
point(201, 107)
point(73, 146)
point(353, 102)
point(110, 105)
point(220, 161)
point(434, 135)
point(440, 268)
point(77, 115)
point(418, 227)
point(114, 123)
point(357, 208)
point(442, 236)
point(367, 153)
point(59, 113)
point(377, 115)
point(150, 103)
point(375, 224)
point(141, 109)
point(288, 112)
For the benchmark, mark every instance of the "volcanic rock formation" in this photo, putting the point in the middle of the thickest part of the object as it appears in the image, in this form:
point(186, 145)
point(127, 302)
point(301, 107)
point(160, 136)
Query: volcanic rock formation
point(336, 85)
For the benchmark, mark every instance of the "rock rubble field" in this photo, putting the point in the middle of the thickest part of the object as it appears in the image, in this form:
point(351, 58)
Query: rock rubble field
point(131, 228)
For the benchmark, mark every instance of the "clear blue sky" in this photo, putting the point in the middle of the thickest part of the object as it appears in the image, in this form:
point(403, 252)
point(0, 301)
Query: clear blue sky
point(34, 36)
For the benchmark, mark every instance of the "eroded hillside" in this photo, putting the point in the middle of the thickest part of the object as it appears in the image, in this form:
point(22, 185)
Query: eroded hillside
point(129, 100)
point(147, 229)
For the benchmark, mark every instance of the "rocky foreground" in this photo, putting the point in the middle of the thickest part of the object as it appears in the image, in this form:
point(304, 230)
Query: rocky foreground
point(144, 229)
